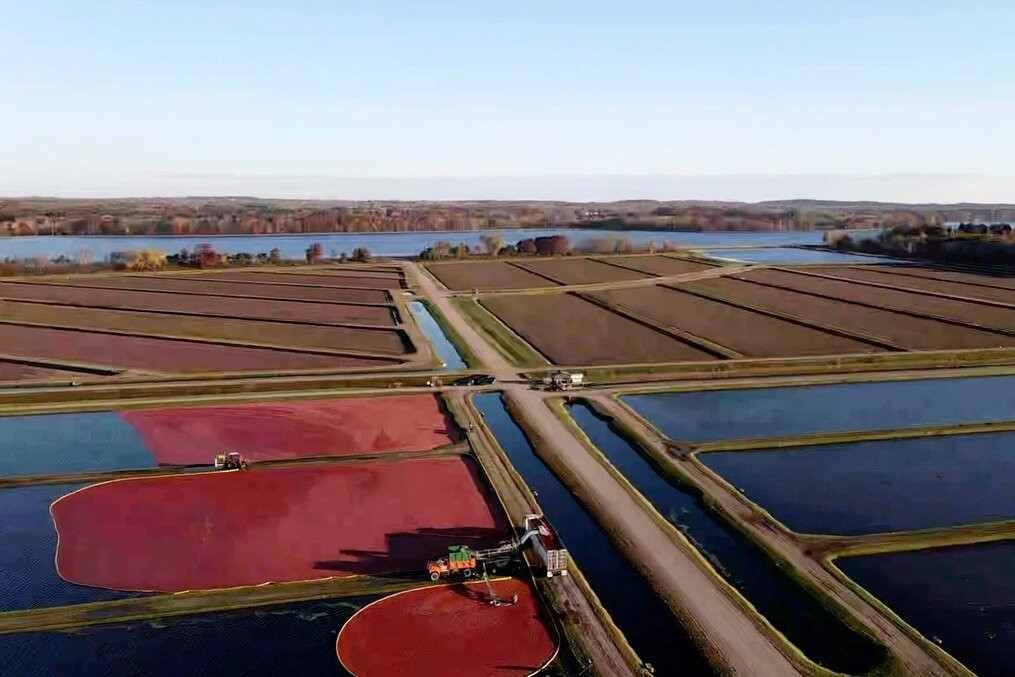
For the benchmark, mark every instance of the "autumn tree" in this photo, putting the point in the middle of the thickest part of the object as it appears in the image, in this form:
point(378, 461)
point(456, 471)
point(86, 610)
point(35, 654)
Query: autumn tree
point(315, 252)
point(205, 256)
point(139, 260)
point(553, 245)
point(493, 242)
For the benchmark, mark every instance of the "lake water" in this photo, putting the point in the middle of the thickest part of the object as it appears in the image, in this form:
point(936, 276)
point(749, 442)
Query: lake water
point(28, 550)
point(380, 244)
point(289, 639)
point(774, 412)
point(66, 443)
point(868, 487)
point(446, 350)
point(817, 632)
point(791, 255)
point(641, 615)
point(964, 596)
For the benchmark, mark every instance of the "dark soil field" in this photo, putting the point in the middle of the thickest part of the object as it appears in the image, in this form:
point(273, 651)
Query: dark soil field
point(180, 285)
point(387, 341)
point(201, 305)
point(659, 265)
point(216, 530)
point(1005, 282)
point(890, 299)
point(486, 275)
point(445, 629)
point(282, 430)
point(579, 271)
point(751, 334)
point(569, 330)
point(308, 279)
point(908, 332)
point(157, 354)
point(911, 282)
point(12, 371)
point(379, 271)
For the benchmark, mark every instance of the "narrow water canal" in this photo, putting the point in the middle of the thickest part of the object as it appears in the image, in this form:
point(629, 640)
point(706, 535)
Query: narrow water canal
point(641, 615)
point(821, 635)
point(446, 350)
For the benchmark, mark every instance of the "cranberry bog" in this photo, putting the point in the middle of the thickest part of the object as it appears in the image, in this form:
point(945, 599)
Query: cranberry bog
point(1002, 282)
point(658, 265)
point(261, 641)
point(905, 331)
point(28, 543)
point(59, 327)
point(218, 530)
point(182, 284)
point(290, 430)
point(453, 628)
point(749, 333)
point(301, 279)
point(53, 444)
point(282, 334)
point(165, 355)
point(579, 270)
point(971, 313)
point(569, 330)
point(124, 299)
point(937, 286)
point(486, 276)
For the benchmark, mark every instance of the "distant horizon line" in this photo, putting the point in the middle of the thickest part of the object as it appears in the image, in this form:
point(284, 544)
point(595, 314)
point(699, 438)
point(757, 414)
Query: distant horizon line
point(561, 201)
point(939, 188)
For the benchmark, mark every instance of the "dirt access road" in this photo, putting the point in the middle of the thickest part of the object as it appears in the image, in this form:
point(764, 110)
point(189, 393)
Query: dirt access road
point(581, 619)
point(731, 637)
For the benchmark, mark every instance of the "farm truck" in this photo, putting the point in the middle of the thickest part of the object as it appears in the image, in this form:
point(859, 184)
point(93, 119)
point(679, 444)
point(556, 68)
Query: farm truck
point(467, 562)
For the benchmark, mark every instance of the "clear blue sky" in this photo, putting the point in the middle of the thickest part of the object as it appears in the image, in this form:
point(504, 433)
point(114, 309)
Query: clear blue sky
point(581, 100)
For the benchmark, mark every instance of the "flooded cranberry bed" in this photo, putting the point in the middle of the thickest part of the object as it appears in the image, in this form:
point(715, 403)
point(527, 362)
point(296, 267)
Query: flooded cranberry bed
point(70, 443)
point(28, 544)
point(962, 598)
point(889, 485)
point(705, 416)
point(273, 640)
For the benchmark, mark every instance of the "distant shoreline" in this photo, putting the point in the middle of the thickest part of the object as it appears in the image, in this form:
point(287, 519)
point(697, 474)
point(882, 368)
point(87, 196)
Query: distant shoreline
point(360, 233)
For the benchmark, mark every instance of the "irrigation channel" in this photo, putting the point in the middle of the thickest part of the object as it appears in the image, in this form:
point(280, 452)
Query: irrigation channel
point(815, 630)
point(646, 621)
point(705, 416)
point(446, 350)
point(270, 640)
point(962, 597)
